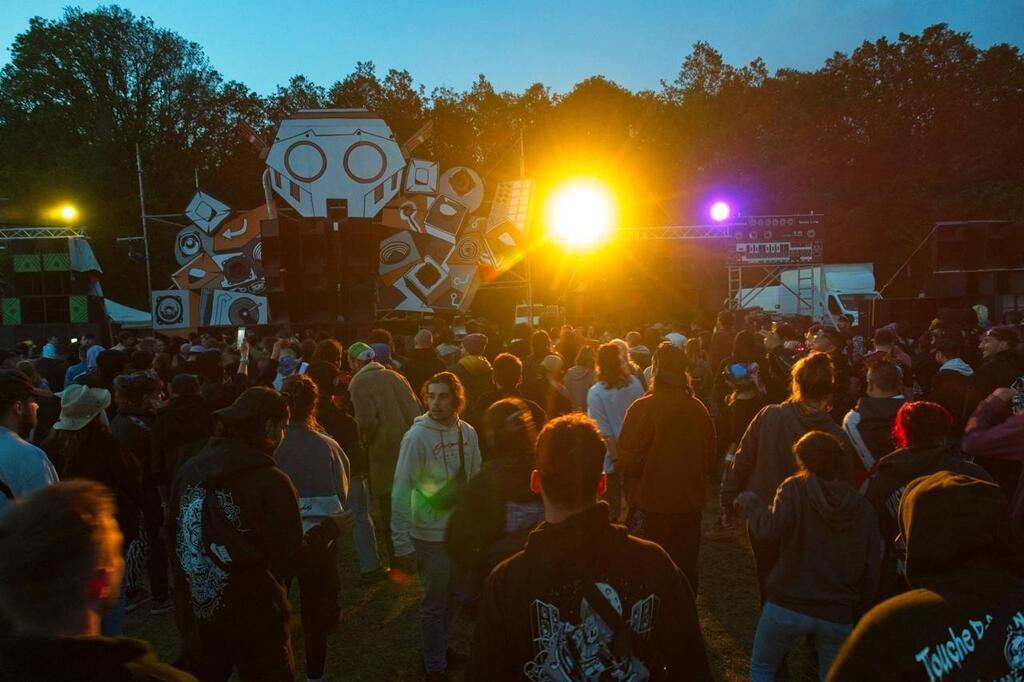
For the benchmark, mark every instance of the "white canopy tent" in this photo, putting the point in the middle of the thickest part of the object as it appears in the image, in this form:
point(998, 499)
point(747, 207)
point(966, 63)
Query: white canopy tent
point(128, 318)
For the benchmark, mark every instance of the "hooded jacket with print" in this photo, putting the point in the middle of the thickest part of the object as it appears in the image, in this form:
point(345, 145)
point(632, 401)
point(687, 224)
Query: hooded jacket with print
point(536, 622)
point(962, 565)
point(221, 613)
point(428, 459)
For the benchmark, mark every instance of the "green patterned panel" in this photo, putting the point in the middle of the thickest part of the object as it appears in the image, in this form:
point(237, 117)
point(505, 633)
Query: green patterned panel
point(79, 308)
point(26, 262)
point(11, 310)
point(56, 262)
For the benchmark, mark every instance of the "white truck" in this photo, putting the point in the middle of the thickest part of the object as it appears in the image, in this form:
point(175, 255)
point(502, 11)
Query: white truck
point(820, 292)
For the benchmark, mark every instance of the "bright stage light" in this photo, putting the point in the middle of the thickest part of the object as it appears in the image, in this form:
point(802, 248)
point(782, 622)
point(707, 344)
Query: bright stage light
point(581, 214)
point(67, 213)
point(720, 211)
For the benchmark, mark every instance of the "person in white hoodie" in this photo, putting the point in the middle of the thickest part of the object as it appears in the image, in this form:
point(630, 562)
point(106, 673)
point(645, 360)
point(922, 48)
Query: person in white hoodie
point(607, 401)
point(439, 453)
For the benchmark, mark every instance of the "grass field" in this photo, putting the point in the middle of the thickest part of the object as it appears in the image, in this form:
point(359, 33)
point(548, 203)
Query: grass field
point(379, 637)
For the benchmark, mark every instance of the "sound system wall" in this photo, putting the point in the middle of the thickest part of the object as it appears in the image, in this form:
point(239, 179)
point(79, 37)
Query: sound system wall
point(320, 272)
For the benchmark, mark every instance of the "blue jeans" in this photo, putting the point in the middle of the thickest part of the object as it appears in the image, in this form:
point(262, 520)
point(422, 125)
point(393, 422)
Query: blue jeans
point(364, 536)
point(777, 632)
point(440, 601)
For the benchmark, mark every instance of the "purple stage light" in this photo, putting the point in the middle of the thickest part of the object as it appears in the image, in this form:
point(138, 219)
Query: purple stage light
point(720, 211)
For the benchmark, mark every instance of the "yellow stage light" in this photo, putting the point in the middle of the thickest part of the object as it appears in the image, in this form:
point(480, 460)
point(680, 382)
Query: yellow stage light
point(581, 214)
point(67, 213)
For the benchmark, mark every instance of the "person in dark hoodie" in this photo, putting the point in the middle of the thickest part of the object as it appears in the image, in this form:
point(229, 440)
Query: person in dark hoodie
point(181, 427)
point(236, 534)
point(138, 398)
point(869, 423)
point(498, 509)
point(584, 600)
point(665, 446)
point(765, 459)
point(508, 377)
point(829, 557)
point(919, 433)
point(952, 383)
point(475, 373)
point(964, 617)
point(60, 569)
point(423, 362)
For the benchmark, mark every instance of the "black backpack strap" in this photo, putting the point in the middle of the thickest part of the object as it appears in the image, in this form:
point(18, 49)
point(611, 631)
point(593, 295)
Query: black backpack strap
point(6, 491)
point(995, 634)
point(623, 644)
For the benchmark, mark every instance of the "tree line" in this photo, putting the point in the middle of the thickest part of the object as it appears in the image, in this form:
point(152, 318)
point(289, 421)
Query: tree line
point(884, 140)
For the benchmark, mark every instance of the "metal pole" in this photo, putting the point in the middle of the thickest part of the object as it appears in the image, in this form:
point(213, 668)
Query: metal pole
point(526, 255)
point(145, 230)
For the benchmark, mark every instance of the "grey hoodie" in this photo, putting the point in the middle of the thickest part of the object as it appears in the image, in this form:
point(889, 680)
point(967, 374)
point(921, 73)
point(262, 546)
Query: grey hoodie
point(830, 551)
point(764, 458)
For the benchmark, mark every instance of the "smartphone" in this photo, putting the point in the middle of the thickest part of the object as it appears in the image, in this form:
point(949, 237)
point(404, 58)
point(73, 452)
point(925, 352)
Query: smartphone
point(241, 338)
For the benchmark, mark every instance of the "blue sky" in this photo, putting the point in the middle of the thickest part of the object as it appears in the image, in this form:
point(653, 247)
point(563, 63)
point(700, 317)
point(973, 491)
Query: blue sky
point(558, 42)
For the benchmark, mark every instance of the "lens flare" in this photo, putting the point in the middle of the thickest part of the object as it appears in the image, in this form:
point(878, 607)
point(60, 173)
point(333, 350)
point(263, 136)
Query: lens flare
point(581, 214)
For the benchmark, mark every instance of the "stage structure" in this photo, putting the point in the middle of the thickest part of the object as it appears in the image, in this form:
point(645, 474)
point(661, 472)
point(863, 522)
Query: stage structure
point(49, 284)
point(353, 224)
point(757, 250)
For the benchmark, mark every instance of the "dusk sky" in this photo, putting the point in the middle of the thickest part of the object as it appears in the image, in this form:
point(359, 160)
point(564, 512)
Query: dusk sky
point(558, 42)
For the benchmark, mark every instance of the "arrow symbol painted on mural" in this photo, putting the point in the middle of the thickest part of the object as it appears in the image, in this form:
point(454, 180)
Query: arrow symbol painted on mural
point(231, 234)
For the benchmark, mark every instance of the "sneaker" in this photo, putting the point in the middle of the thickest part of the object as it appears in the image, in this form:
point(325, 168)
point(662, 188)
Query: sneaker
point(375, 576)
point(135, 600)
point(454, 659)
point(160, 606)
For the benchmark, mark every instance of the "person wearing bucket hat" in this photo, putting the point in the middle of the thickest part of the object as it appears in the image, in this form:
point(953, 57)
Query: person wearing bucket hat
point(384, 407)
point(83, 447)
point(23, 466)
point(218, 571)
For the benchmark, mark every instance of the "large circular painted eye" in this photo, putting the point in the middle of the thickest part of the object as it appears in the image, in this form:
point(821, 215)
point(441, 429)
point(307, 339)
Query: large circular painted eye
point(365, 162)
point(305, 161)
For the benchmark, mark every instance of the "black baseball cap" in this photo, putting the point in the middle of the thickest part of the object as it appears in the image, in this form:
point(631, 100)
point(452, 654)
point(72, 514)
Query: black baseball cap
point(258, 403)
point(15, 386)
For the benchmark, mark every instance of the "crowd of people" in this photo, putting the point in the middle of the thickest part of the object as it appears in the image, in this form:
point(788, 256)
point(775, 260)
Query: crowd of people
point(550, 486)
